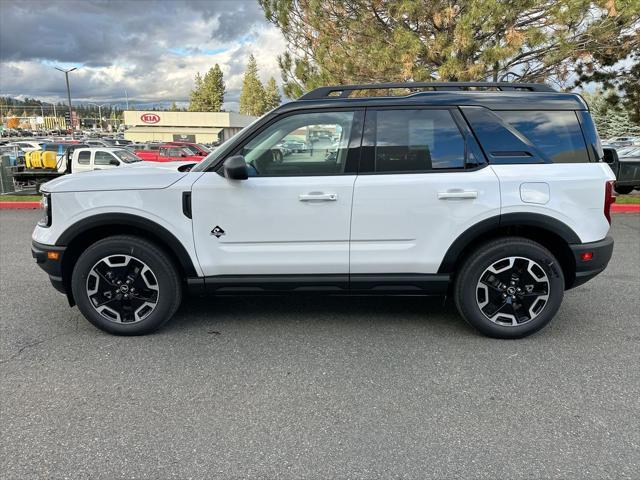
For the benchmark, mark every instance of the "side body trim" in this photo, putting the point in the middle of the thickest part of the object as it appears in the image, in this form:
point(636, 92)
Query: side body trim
point(338, 284)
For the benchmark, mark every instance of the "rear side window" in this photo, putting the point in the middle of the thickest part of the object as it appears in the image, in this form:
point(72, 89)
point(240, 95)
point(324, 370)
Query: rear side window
point(84, 157)
point(557, 134)
point(417, 141)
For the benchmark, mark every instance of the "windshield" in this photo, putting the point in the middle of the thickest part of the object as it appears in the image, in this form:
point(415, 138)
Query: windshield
point(126, 156)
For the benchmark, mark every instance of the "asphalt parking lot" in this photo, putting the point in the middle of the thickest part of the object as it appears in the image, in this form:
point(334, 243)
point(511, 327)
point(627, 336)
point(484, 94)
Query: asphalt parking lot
point(318, 388)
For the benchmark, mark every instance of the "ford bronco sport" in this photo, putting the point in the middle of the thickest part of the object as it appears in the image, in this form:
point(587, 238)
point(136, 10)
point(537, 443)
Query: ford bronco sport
point(492, 193)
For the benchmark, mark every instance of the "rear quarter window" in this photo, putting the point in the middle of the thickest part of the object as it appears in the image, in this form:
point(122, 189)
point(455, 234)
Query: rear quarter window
point(556, 133)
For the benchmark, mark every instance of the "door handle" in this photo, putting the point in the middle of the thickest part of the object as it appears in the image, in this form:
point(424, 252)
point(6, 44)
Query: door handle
point(318, 196)
point(457, 194)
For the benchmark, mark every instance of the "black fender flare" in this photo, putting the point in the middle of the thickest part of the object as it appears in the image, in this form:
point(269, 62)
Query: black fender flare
point(537, 220)
point(129, 220)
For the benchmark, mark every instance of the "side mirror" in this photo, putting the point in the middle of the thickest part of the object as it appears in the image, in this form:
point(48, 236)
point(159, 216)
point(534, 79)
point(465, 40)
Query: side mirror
point(235, 168)
point(610, 156)
point(114, 162)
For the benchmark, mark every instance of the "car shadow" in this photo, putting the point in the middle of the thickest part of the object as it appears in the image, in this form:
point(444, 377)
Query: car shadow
point(435, 313)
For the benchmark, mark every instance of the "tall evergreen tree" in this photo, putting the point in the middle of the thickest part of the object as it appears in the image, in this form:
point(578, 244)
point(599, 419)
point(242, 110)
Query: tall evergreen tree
point(272, 96)
point(208, 92)
point(196, 102)
point(361, 41)
point(252, 96)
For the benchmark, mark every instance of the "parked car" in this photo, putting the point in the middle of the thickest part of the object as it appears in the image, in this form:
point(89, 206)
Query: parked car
point(295, 146)
point(626, 169)
point(194, 148)
point(497, 197)
point(28, 145)
point(168, 153)
point(623, 141)
point(101, 158)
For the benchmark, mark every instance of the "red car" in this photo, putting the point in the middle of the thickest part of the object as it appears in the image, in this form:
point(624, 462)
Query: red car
point(195, 148)
point(168, 153)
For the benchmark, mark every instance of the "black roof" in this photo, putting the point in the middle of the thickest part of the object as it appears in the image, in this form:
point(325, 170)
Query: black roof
point(495, 96)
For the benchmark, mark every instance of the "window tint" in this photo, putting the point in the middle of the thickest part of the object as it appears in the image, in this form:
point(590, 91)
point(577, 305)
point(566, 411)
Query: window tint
point(84, 157)
point(321, 145)
point(417, 141)
point(556, 134)
point(102, 158)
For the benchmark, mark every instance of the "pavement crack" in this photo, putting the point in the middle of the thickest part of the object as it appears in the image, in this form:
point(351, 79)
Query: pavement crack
point(28, 346)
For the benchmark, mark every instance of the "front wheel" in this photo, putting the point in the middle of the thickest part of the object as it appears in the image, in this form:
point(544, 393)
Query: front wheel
point(509, 288)
point(126, 285)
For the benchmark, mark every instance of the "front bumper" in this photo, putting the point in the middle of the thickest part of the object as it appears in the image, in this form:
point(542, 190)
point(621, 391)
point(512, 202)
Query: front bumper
point(586, 270)
point(53, 267)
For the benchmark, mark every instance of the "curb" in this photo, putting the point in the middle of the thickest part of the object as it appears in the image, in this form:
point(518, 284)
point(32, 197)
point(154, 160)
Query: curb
point(625, 208)
point(615, 208)
point(19, 205)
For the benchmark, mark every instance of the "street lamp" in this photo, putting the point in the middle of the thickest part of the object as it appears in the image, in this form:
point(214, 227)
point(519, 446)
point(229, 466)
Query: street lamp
point(99, 111)
point(66, 75)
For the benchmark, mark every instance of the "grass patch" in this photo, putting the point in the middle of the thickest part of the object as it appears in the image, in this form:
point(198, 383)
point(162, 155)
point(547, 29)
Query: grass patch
point(20, 198)
point(628, 199)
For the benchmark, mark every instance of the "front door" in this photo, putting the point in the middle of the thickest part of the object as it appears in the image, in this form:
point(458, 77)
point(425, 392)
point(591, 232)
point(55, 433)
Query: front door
point(292, 216)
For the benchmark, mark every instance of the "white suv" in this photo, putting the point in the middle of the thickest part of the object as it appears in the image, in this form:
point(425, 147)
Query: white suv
point(493, 193)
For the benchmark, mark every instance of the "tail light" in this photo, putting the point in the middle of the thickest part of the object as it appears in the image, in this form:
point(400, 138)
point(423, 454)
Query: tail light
point(609, 199)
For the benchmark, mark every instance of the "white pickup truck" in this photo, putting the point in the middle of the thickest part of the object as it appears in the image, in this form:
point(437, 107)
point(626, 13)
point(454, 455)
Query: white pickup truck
point(101, 158)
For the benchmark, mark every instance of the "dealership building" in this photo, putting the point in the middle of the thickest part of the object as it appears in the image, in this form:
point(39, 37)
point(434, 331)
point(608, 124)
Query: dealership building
point(200, 127)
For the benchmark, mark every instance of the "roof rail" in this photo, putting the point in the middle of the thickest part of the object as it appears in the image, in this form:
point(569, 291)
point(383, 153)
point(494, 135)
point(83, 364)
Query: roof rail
point(343, 91)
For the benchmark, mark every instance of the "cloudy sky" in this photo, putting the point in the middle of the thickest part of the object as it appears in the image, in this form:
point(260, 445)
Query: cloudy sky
point(150, 48)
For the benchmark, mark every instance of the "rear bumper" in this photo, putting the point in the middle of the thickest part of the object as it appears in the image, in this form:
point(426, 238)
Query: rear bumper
point(52, 267)
point(586, 270)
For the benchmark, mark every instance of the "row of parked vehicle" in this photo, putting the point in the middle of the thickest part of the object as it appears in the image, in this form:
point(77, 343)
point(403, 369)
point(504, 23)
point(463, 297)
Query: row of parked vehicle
point(40, 160)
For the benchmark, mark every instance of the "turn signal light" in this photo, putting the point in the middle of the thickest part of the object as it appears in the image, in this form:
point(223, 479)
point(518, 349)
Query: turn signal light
point(586, 256)
point(53, 255)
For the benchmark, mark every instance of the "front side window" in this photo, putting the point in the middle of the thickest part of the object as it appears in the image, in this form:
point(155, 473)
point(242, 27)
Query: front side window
point(417, 141)
point(103, 158)
point(314, 143)
point(556, 133)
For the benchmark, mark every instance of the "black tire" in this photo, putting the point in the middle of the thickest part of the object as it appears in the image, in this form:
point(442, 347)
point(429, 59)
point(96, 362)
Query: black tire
point(164, 278)
point(623, 190)
point(468, 290)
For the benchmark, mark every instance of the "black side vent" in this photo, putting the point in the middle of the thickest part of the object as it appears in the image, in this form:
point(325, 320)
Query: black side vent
point(186, 204)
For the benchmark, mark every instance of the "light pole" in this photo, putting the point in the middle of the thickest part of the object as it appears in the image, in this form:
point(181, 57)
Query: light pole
point(66, 75)
point(99, 111)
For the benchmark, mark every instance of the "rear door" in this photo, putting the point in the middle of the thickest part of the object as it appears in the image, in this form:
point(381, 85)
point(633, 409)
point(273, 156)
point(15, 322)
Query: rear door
point(423, 181)
point(292, 215)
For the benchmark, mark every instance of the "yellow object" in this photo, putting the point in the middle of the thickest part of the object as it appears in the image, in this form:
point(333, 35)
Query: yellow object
point(49, 159)
point(27, 159)
point(36, 161)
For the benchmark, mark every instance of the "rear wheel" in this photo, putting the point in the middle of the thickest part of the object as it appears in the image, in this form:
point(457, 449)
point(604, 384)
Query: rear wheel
point(623, 190)
point(126, 285)
point(509, 288)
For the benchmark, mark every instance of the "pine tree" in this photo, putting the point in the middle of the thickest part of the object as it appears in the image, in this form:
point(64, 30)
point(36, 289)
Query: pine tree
point(174, 107)
point(252, 96)
point(272, 95)
point(362, 41)
point(208, 92)
point(196, 102)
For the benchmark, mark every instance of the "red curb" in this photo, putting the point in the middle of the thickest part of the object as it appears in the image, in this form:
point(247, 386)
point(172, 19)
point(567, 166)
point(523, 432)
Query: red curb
point(625, 208)
point(19, 205)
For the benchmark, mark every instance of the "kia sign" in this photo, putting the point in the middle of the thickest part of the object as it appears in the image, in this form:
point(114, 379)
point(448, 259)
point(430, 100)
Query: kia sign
point(150, 118)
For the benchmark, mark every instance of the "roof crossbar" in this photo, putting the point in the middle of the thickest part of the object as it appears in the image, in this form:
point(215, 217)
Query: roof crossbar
point(343, 91)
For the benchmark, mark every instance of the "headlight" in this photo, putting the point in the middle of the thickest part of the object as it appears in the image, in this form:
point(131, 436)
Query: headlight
point(45, 203)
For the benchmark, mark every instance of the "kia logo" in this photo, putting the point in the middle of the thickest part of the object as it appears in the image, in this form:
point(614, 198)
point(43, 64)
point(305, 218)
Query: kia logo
point(150, 118)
